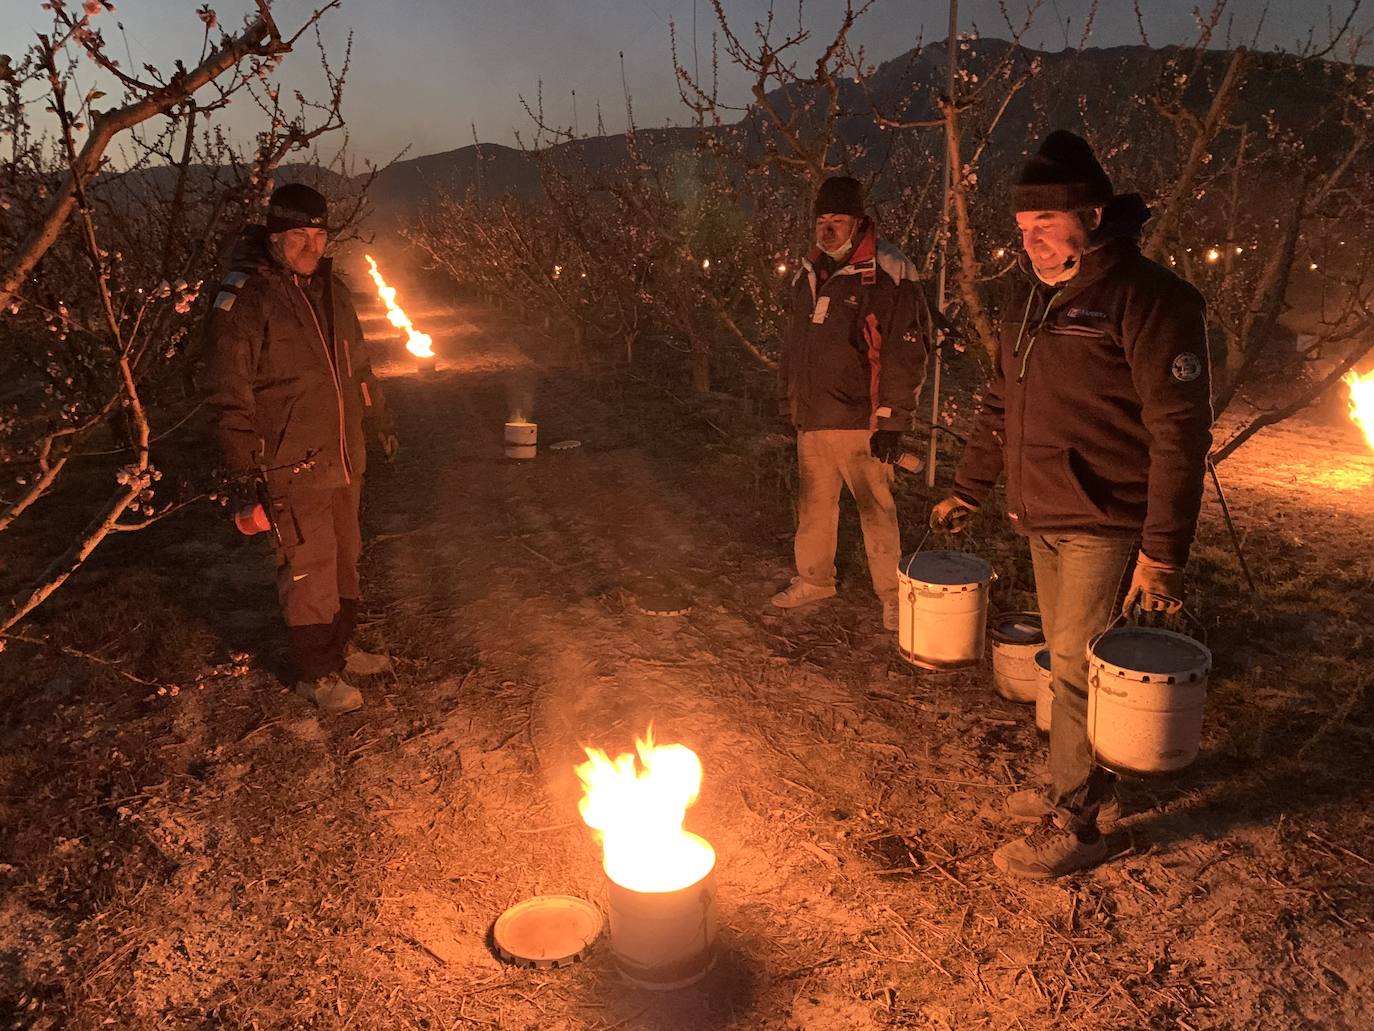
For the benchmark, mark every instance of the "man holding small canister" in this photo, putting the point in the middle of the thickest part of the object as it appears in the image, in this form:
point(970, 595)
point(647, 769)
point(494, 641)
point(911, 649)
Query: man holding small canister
point(290, 388)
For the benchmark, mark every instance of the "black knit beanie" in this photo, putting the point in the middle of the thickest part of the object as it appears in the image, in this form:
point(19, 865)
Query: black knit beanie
point(296, 206)
point(1063, 175)
point(840, 195)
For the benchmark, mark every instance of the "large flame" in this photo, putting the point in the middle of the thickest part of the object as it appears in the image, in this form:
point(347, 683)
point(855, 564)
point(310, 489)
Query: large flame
point(638, 808)
point(417, 343)
point(1362, 401)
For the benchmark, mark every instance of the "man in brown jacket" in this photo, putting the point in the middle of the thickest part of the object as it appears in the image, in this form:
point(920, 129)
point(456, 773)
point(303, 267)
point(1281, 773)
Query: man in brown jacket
point(1099, 414)
point(849, 376)
point(290, 385)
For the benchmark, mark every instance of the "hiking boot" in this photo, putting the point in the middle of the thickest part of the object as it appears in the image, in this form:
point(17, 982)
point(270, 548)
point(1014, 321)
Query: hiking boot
point(1032, 806)
point(892, 617)
point(1048, 852)
point(332, 694)
point(801, 593)
point(365, 664)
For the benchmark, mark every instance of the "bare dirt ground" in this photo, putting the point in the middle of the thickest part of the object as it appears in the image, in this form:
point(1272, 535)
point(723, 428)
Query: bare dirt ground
point(194, 848)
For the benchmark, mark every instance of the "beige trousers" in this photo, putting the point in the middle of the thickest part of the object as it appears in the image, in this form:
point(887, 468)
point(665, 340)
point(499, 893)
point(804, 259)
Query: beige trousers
point(829, 459)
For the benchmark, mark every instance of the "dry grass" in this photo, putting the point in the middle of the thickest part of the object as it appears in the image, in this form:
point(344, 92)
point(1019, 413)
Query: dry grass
point(218, 857)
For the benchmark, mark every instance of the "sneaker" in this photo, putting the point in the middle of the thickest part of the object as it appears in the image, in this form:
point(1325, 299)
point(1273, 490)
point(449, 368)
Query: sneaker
point(801, 593)
point(891, 615)
point(332, 694)
point(1048, 852)
point(365, 664)
point(1032, 806)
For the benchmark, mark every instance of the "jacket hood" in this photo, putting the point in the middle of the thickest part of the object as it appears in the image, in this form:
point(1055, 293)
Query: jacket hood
point(251, 252)
point(1123, 218)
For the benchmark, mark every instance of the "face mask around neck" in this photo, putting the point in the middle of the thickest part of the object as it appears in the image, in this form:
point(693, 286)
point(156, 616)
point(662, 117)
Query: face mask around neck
point(840, 254)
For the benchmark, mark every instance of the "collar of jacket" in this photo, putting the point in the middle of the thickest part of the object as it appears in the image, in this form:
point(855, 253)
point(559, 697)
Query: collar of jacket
point(861, 259)
point(1093, 265)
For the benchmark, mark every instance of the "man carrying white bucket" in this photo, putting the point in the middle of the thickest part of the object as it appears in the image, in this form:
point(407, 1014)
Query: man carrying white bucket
point(849, 380)
point(1099, 413)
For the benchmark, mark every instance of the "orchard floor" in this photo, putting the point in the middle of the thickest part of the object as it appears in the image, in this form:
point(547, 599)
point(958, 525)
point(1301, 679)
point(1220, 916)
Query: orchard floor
point(199, 850)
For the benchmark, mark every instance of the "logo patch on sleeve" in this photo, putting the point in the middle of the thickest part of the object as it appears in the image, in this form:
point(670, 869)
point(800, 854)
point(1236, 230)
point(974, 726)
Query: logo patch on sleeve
point(1187, 367)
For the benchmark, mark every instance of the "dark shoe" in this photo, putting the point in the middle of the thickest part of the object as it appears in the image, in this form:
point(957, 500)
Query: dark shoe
point(365, 664)
point(1049, 852)
point(332, 694)
point(1032, 806)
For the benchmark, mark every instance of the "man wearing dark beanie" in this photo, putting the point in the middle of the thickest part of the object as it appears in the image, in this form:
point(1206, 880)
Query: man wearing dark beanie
point(1099, 413)
point(290, 386)
point(848, 381)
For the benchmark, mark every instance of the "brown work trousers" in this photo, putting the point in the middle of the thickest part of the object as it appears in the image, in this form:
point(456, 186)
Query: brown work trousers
point(829, 460)
point(317, 575)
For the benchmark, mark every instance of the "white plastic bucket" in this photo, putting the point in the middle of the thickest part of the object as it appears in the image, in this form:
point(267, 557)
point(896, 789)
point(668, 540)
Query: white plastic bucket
point(1044, 691)
point(522, 439)
point(1146, 692)
point(943, 611)
point(1016, 637)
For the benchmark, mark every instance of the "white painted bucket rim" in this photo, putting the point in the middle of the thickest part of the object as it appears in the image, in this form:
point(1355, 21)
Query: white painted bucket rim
point(997, 629)
point(947, 570)
point(1193, 659)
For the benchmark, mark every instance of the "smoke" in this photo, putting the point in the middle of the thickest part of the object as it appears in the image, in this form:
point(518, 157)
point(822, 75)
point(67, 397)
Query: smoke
point(520, 397)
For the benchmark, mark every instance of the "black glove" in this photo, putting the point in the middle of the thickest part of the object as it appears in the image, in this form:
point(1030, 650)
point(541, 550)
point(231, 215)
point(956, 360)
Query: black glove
point(885, 445)
point(951, 515)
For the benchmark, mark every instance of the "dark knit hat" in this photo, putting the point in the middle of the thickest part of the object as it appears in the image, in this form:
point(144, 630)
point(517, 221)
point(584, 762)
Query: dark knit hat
point(296, 206)
point(840, 195)
point(1063, 175)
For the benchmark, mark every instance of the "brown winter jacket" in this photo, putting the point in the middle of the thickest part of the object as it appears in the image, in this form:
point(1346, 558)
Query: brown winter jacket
point(1099, 410)
point(849, 360)
point(289, 380)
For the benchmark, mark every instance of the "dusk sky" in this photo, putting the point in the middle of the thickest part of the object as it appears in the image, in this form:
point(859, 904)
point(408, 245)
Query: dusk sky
point(425, 70)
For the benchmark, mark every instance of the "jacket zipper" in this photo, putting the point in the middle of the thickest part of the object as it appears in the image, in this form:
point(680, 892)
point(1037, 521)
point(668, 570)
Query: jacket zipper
point(1021, 415)
point(334, 373)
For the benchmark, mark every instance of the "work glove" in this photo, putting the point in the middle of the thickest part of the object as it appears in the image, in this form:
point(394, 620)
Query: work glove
point(952, 514)
point(885, 445)
point(390, 444)
point(1155, 587)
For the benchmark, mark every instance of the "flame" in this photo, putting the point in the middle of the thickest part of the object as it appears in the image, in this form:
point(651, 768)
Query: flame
point(1361, 401)
point(638, 810)
point(417, 343)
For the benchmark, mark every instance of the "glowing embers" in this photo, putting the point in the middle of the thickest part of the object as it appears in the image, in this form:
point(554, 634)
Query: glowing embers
point(662, 888)
point(1361, 389)
point(417, 343)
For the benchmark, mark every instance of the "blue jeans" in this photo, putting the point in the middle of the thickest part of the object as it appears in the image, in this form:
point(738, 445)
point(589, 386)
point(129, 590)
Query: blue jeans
point(1078, 580)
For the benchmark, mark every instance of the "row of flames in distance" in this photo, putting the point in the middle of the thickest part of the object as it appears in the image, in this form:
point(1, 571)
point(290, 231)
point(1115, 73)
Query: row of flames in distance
point(421, 345)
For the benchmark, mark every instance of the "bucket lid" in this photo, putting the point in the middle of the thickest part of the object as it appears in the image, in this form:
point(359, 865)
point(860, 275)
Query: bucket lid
point(1017, 628)
point(945, 568)
point(547, 931)
point(1042, 659)
point(1150, 650)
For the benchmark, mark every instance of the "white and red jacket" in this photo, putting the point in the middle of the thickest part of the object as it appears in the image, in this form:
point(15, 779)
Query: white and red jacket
point(854, 353)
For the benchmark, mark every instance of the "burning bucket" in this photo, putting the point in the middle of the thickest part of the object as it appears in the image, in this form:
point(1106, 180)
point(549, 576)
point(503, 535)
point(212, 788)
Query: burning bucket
point(663, 939)
point(943, 614)
point(522, 439)
point(1146, 692)
point(660, 878)
point(1016, 637)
